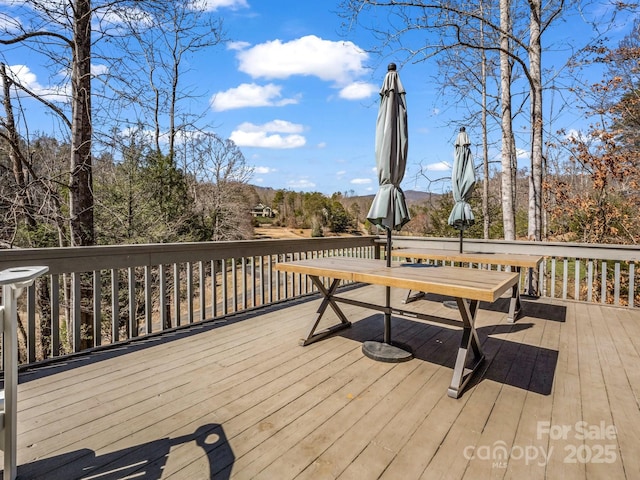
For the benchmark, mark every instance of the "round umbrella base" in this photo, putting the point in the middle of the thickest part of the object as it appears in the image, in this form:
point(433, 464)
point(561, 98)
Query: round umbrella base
point(384, 352)
point(450, 304)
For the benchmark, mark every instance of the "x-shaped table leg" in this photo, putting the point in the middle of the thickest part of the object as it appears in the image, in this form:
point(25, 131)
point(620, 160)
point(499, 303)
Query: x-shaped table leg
point(514, 305)
point(461, 373)
point(326, 301)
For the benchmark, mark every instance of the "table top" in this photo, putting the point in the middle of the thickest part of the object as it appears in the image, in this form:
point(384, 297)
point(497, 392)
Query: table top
point(472, 284)
point(511, 259)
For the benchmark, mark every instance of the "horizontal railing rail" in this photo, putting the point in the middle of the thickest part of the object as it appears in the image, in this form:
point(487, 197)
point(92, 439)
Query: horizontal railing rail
point(102, 295)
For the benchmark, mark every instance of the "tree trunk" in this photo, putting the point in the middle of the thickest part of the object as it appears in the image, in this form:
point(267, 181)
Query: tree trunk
point(81, 188)
point(485, 141)
point(508, 200)
point(535, 180)
point(15, 152)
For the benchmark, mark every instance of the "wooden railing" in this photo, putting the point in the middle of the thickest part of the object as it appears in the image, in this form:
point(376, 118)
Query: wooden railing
point(571, 271)
point(95, 296)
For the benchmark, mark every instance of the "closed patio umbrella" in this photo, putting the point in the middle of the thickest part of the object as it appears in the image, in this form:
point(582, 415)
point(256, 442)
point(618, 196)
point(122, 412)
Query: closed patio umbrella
point(463, 180)
point(389, 209)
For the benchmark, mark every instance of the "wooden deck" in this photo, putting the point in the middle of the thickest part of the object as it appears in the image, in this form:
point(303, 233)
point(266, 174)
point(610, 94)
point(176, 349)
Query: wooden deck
point(558, 397)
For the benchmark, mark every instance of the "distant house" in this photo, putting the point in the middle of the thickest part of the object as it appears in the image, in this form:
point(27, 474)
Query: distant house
point(261, 210)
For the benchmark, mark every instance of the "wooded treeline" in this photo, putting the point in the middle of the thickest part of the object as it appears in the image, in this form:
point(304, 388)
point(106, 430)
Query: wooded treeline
point(164, 176)
point(491, 65)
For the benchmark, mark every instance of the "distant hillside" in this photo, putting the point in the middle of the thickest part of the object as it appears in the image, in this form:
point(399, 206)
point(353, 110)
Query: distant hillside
point(413, 197)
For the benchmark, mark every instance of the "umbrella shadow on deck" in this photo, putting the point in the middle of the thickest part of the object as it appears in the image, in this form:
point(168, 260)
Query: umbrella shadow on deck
point(146, 461)
point(518, 364)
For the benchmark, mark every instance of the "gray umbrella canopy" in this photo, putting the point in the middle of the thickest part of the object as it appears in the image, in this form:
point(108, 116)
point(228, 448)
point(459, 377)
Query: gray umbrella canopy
point(463, 180)
point(389, 208)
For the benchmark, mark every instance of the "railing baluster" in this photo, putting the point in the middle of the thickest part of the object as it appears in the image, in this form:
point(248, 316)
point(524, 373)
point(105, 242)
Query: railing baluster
point(632, 284)
point(234, 284)
point(223, 273)
point(31, 322)
point(244, 282)
point(176, 294)
point(55, 315)
point(616, 284)
point(97, 308)
point(189, 293)
point(148, 300)
point(115, 306)
point(576, 292)
point(261, 279)
point(553, 277)
point(76, 313)
point(565, 274)
point(163, 297)
point(202, 290)
point(603, 285)
point(590, 281)
point(270, 277)
point(133, 321)
point(214, 289)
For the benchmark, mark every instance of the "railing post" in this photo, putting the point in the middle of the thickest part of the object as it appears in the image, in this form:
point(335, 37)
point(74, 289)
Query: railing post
point(13, 280)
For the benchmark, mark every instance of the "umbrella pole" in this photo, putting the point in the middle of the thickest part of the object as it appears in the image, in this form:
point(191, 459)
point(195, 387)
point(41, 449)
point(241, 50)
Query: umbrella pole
point(461, 231)
point(387, 313)
point(386, 351)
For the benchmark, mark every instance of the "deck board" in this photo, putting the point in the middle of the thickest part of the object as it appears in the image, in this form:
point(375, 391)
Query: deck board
point(241, 399)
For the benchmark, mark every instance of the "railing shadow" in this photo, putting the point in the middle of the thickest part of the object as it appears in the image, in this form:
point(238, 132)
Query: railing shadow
point(89, 357)
point(143, 462)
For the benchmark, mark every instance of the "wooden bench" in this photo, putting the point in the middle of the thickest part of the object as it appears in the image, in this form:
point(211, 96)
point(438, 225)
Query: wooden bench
point(511, 260)
point(468, 287)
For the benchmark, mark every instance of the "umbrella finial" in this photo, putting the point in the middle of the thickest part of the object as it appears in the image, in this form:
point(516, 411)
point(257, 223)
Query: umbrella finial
point(462, 129)
point(391, 67)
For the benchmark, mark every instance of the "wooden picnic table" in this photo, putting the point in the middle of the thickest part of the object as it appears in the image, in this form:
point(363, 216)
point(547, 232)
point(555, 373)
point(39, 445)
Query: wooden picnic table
point(468, 287)
point(513, 260)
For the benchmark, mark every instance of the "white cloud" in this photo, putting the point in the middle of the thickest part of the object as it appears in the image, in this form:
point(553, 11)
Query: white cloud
point(361, 181)
point(99, 70)
point(237, 45)
point(25, 77)
point(358, 91)
point(280, 126)
point(263, 170)
point(339, 62)
point(8, 23)
point(268, 135)
point(322, 145)
point(213, 5)
point(250, 95)
point(521, 154)
point(438, 167)
point(301, 183)
point(574, 134)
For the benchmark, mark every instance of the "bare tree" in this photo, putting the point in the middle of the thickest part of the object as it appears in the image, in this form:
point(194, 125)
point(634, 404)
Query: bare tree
point(509, 163)
point(221, 195)
point(450, 19)
point(165, 37)
point(55, 28)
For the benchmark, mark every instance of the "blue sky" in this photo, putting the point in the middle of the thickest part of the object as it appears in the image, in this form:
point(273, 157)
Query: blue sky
point(300, 98)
